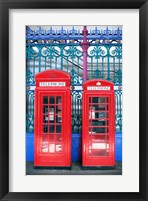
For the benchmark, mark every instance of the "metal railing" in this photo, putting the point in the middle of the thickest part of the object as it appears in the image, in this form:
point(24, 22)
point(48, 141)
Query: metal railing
point(61, 49)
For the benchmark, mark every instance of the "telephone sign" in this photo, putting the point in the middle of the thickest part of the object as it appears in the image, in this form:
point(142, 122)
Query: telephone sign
point(98, 88)
point(52, 84)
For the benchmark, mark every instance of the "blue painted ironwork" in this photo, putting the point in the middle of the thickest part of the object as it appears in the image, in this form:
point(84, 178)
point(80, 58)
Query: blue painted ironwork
point(72, 34)
point(105, 62)
point(118, 101)
point(61, 49)
point(77, 111)
point(30, 78)
point(42, 57)
point(55, 35)
point(29, 111)
point(106, 34)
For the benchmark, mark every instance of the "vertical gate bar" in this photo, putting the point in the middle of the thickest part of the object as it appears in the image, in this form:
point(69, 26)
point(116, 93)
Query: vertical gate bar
point(72, 66)
point(97, 70)
point(119, 55)
point(28, 59)
point(103, 67)
point(120, 109)
point(55, 62)
point(34, 67)
point(91, 66)
point(33, 104)
point(67, 63)
point(85, 45)
point(78, 65)
point(120, 81)
point(108, 63)
point(39, 58)
point(75, 106)
point(50, 50)
point(114, 69)
point(115, 99)
point(45, 63)
point(61, 57)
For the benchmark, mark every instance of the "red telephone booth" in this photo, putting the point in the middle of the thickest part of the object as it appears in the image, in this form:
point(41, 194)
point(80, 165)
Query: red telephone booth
point(98, 135)
point(52, 119)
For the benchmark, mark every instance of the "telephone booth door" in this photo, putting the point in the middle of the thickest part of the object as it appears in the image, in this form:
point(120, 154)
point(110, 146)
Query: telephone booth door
point(98, 137)
point(52, 119)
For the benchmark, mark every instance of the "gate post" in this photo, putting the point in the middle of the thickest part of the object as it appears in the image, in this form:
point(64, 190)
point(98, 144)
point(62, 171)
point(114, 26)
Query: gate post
point(85, 45)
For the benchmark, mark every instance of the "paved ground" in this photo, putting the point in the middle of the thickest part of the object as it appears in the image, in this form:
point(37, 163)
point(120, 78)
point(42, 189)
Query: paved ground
point(75, 170)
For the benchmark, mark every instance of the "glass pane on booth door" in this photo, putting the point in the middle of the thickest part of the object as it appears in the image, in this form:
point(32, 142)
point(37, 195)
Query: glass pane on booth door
point(52, 124)
point(98, 126)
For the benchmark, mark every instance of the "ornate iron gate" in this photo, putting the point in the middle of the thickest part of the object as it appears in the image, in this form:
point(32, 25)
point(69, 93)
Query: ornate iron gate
point(84, 54)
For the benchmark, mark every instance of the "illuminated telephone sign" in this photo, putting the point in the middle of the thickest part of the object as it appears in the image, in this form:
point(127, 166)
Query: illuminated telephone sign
point(98, 116)
point(52, 119)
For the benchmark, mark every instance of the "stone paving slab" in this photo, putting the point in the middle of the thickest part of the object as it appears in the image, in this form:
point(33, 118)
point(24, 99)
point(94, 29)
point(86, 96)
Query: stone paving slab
point(75, 170)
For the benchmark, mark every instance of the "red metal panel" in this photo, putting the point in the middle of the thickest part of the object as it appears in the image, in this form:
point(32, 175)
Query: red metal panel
point(52, 119)
point(98, 133)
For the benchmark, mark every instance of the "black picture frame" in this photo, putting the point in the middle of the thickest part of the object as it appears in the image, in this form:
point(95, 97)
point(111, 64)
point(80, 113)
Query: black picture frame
point(5, 5)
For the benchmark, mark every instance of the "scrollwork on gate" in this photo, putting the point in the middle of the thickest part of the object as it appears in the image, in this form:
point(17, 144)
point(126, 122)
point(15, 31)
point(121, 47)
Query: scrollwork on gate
point(118, 110)
point(29, 78)
point(105, 62)
point(29, 111)
point(77, 111)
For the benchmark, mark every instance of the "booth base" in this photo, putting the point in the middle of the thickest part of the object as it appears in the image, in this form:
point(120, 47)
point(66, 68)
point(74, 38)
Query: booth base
point(98, 168)
point(52, 167)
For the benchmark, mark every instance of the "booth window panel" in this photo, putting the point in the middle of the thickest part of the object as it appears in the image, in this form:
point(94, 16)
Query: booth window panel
point(59, 118)
point(98, 145)
point(45, 118)
point(101, 107)
point(58, 128)
point(51, 100)
point(97, 115)
point(98, 122)
point(45, 109)
point(45, 144)
point(45, 128)
point(98, 126)
point(58, 143)
point(48, 143)
point(51, 113)
point(45, 100)
point(58, 148)
point(51, 128)
point(59, 100)
point(98, 99)
point(52, 124)
point(58, 113)
point(97, 130)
